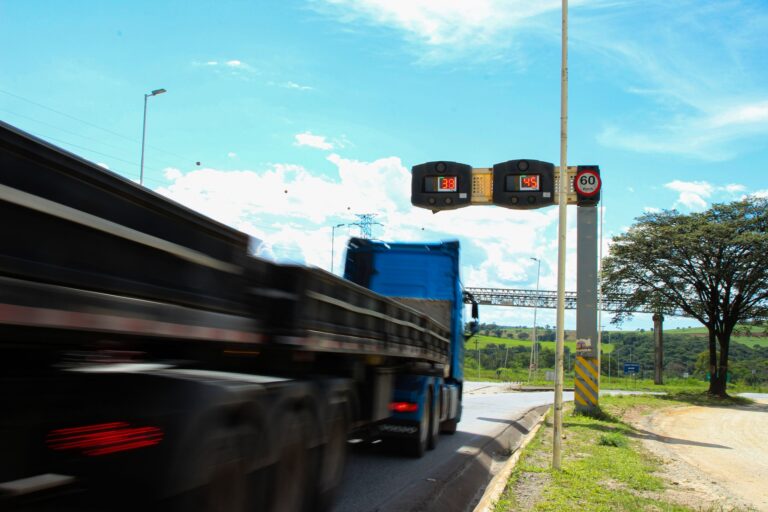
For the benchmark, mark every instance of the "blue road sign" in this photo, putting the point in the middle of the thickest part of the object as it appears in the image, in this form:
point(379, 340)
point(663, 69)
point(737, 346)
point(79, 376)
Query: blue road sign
point(631, 368)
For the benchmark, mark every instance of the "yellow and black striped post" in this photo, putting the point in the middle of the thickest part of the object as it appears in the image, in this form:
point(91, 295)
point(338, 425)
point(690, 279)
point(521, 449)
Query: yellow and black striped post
point(587, 386)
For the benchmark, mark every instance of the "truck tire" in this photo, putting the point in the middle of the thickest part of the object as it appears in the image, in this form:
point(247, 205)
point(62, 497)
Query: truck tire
point(449, 426)
point(334, 456)
point(434, 424)
point(292, 471)
point(417, 445)
point(222, 458)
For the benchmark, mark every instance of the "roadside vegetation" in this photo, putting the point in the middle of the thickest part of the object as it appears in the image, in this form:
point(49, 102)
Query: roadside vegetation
point(710, 265)
point(604, 465)
point(686, 360)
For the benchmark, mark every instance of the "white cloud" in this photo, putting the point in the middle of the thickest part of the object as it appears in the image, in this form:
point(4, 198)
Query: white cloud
point(448, 29)
point(651, 209)
point(734, 188)
point(702, 87)
point(695, 195)
point(172, 173)
point(294, 85)
point(313, 141)
point(692, 194)
point(233, 67)
point(706, 134)
point(744, 114)
point(292, 211)
point(232, 154)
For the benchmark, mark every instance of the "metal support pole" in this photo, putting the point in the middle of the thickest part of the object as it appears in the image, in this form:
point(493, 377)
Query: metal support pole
point(477, 349)
point(534, 363)
point(333, 240)
point(143, 138)
point(144, 131)
point(658, 337)
point(562, 232)
point(587, 377)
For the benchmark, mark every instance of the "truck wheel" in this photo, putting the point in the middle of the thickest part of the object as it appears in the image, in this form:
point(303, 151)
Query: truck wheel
point(418, 444)
point(449, 426)
point(291, 471)
point(333, 461)
point(434, 425)
point(226, 483)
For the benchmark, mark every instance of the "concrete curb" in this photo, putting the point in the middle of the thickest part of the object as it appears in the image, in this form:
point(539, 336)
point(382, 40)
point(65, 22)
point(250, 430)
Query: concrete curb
point(499, 482)
point(463, 481)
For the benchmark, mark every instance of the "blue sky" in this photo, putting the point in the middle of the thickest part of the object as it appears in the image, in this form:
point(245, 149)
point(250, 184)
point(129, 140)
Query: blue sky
point(285, 118)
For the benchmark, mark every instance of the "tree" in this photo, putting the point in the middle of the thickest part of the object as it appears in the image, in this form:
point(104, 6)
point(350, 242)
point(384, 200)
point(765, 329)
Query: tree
point(712, 266)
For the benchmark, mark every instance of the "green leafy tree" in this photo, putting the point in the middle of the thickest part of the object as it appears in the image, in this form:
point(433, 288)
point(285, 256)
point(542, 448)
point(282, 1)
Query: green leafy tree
point(712, 266)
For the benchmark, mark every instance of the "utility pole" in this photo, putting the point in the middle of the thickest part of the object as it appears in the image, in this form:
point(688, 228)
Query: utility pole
point(534, 365)
point(562, 232)
point(477, 349)
point(333, 240)
point(144, 131)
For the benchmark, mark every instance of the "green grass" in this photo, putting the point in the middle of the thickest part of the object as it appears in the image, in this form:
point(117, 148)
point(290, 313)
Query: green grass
point(701, 332)
point(616, 439)
point(676, 385)
point(604, 466)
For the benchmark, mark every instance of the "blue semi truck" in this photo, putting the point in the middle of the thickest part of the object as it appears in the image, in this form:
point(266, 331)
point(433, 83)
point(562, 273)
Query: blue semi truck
point(424, 276)
point(148, 361)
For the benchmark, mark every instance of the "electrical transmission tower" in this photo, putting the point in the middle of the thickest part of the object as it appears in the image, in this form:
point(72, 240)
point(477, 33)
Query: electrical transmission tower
point(366, 222)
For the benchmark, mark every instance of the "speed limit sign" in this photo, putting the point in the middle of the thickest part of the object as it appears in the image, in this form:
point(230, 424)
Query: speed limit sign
point(587, 182)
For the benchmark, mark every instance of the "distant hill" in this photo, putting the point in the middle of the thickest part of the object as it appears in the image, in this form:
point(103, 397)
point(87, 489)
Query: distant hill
point(749, 336)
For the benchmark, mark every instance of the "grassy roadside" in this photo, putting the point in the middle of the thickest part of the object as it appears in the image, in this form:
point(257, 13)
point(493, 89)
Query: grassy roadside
point(604, 466)
point(671, 385)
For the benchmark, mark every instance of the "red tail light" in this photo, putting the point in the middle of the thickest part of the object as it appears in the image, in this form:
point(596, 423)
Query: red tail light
point(104, 438)
point(403, 407)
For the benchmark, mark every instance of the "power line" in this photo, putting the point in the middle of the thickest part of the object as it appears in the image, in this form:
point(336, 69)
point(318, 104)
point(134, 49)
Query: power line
point(44, 123)
point(167, 160)
point(70, 116)
point(128, 175)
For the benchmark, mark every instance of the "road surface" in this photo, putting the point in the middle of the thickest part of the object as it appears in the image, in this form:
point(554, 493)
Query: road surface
point(377, 480)
point(728, 445)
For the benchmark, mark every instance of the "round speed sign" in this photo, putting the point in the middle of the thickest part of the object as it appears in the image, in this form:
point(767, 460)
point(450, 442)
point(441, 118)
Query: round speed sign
point(587, 183)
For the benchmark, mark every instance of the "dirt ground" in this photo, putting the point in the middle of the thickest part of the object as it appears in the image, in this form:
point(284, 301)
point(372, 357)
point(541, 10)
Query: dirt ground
point(716, 458)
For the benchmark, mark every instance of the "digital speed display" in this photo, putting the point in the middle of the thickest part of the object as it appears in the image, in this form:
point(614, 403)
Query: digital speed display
point(523, 183)
point(441, 184)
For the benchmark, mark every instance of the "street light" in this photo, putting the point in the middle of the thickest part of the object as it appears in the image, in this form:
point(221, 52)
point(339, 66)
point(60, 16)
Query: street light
point(144, 131)
point(333, 237)
point(534, 357)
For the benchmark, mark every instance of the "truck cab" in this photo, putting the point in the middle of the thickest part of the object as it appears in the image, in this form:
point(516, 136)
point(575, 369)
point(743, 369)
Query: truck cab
point(425, 276)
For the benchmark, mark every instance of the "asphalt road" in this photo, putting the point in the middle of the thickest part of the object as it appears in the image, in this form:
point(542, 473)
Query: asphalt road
point(377, 479)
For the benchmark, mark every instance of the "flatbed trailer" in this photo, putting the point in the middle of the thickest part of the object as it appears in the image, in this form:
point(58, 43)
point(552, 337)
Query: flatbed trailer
point(146, 360)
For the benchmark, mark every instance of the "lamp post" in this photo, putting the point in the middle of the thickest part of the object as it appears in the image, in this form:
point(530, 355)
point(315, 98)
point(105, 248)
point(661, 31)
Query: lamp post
point(333, 239)
point(144, 131)
point(534, 356)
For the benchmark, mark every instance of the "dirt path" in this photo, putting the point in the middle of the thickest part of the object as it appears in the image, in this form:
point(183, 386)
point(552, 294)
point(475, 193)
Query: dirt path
point(724, 452)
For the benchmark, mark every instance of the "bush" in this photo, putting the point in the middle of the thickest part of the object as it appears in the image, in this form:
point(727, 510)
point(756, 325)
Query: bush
point(613, 439)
